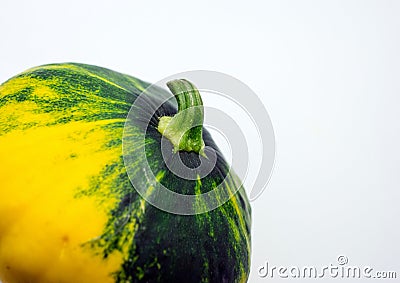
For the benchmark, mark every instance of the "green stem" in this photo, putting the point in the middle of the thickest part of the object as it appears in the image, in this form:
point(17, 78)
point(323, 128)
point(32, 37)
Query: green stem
point(185, 129)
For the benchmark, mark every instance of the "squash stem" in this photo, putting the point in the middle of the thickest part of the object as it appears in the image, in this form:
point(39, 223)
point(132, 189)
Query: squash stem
point(185, 129)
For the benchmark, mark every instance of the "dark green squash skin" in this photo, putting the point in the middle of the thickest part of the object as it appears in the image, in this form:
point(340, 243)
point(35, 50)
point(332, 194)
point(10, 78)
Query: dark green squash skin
point(207, 247)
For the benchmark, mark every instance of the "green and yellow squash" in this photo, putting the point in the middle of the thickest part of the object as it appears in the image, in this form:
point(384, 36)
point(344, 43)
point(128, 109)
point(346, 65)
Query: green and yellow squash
point(68, 211)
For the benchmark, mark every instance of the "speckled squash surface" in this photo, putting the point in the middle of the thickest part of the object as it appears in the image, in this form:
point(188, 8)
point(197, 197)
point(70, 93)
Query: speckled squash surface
point(68, 212)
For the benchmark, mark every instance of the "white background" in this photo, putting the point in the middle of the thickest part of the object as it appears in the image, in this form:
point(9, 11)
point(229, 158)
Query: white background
point(327, 71)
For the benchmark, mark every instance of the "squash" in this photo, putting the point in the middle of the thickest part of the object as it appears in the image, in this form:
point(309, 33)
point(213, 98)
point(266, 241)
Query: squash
point(68, 210)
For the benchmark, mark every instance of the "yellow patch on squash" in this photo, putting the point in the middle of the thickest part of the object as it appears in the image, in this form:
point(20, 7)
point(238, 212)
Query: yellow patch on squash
point(44, 225)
